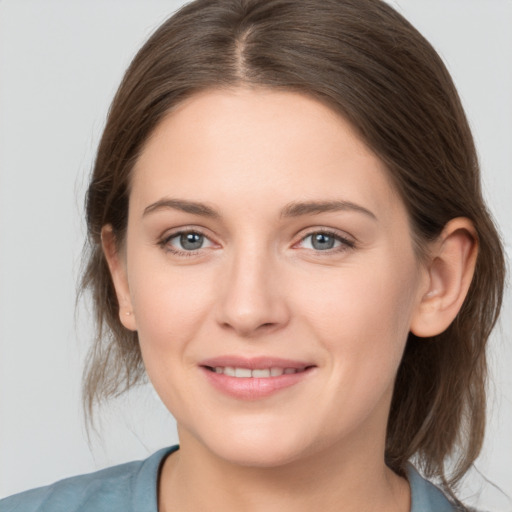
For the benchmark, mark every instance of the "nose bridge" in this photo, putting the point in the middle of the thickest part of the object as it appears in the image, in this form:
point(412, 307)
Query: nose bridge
point(252, 300)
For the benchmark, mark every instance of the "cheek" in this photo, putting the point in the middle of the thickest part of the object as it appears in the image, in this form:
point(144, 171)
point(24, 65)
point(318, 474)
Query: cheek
point(169, 314)
point(169, 306)
point(362, 315)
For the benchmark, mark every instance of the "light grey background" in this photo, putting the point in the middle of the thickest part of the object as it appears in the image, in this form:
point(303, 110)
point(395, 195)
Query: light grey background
point(60, 63)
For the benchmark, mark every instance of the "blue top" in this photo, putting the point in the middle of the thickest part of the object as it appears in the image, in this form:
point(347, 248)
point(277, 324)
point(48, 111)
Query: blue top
point(132, 487)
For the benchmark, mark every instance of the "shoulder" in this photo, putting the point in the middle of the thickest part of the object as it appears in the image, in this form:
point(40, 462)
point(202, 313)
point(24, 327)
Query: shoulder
point(425, 496)
point(127, 487)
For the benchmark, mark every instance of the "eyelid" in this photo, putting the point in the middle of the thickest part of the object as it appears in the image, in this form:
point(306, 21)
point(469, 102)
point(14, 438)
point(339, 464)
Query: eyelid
point(347, 241)
point(167, 236)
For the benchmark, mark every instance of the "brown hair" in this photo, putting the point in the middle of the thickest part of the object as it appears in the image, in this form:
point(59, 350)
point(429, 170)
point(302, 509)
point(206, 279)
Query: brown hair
point(369, 64)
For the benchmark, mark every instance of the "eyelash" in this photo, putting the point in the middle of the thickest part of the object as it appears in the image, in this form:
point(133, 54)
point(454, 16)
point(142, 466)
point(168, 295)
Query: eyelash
point(164, 243)
point(345, 243)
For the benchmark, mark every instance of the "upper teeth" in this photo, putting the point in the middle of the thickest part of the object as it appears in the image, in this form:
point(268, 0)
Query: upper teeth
point(259, 373)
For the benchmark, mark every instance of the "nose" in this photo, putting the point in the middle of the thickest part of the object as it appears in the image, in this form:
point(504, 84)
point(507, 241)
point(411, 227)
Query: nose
point(252, 301)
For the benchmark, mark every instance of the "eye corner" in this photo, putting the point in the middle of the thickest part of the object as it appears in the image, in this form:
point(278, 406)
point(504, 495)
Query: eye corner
point(186, 241)
point(324, 240)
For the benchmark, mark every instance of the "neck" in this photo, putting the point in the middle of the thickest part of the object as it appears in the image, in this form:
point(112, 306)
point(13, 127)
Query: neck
point(195, 479)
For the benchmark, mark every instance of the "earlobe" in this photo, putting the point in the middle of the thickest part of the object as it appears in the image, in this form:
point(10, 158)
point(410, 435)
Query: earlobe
point(117, 267)
point(450, 271)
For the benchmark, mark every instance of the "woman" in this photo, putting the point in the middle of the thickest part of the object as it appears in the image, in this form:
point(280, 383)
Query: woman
point(287, 234)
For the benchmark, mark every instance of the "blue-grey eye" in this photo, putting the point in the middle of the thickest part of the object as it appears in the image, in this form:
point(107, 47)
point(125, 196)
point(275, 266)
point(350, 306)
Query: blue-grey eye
point(186, 241)
point(321, 241)
point(191, 241)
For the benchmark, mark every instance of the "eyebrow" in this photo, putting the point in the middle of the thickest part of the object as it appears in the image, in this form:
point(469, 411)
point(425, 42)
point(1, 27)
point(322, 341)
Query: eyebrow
point(183, 205)
point(294, 209)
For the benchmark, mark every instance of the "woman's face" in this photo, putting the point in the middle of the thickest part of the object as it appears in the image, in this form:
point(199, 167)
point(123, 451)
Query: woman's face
point(271, 276)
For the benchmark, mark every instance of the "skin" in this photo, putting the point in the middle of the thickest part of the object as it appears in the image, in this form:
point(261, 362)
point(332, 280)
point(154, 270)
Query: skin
point(258, 287)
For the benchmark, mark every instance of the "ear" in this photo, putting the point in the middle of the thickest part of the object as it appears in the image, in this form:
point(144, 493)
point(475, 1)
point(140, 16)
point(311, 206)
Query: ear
point(450, 270)
point(117, 266)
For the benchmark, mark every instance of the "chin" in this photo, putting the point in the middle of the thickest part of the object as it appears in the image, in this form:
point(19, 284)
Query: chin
point(270, 455)
point(257, 447)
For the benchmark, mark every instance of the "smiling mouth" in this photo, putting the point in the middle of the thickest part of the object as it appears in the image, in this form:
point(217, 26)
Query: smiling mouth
point(258, 373)
point(254, 378)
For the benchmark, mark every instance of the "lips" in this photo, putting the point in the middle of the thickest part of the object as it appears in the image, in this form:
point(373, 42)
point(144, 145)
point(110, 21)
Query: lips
point(258, 373)
point(254, 378)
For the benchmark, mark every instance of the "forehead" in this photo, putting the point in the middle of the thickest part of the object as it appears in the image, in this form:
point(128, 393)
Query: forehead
point(259, 143)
